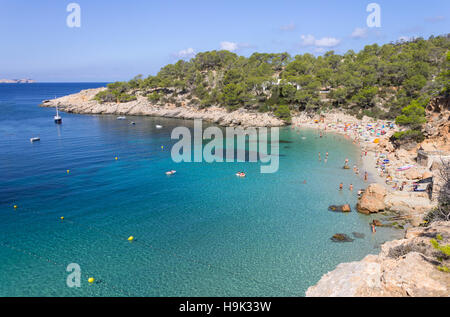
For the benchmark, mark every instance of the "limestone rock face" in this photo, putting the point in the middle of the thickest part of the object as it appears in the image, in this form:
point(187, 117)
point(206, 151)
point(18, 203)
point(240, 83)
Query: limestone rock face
point(406, 267)
point(83, 102)
point(413, 205)
point(372, 200)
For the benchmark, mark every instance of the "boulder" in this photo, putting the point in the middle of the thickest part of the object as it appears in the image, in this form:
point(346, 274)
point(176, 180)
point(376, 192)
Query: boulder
point(367, 205)
point(346, 208)
point(413, 174)
point(341, 237)
point(340, 208)
point(372, 200)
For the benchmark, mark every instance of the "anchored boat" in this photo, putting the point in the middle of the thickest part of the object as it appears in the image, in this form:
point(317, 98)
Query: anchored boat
point(57, 118)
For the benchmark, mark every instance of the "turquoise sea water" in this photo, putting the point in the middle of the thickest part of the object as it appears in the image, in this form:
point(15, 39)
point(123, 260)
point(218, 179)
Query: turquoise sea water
point(201, 232)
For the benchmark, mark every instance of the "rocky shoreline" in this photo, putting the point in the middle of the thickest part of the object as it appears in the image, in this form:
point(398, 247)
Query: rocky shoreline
point(406, 267)
point(83, 103)
point(381, 275)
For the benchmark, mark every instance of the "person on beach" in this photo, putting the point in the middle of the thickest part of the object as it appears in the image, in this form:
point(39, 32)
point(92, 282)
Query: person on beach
point(366, 176)
point(319, 157)
point(341, 186)
point(373, 228)
point(351, 187)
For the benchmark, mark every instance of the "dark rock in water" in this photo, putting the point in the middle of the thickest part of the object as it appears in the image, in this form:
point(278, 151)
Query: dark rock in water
point(341, 237)
point(358, 235)
point(284, 141)
point(340, 208)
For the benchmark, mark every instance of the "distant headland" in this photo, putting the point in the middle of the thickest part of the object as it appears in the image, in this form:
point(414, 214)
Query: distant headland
point(17, 81)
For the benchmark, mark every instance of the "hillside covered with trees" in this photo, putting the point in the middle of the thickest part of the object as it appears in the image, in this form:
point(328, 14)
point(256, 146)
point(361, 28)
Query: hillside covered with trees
point(395, 80)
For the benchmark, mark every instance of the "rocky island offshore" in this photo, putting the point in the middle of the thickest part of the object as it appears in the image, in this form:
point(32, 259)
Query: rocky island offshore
point(17, 81)
point(391, 100)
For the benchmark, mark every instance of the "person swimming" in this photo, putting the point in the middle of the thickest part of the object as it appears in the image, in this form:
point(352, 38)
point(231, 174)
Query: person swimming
point(351, 187)
point(320, 157)
point(341, 186)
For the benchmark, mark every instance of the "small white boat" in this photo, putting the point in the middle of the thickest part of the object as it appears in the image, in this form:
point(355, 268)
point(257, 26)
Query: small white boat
point(57, 118)
point(171, 172)
point(35, 139)
point(132, 123)
point(121, 118)
point(159, 126)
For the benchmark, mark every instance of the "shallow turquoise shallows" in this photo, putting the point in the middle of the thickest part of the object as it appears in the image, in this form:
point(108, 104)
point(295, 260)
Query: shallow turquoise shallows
point(200, 232)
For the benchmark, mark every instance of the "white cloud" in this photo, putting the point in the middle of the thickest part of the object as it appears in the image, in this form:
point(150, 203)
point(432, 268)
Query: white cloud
point(229, 46)
point(310, 40)
point(187, 53)
point(233, 46)
point(359, 33)
point(288, 27)
point(435, 19)
point(328, 42)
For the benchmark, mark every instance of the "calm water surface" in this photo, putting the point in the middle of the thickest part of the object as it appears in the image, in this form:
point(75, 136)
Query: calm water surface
point(202, 232)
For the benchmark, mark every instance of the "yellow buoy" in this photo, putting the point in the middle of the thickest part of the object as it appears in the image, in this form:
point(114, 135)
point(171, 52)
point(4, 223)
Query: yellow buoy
point(68, 171)
point(15, 206)
point(62, 218)
point(162, 147)
point(91, 280)
point(116, 158)
point(131, 238)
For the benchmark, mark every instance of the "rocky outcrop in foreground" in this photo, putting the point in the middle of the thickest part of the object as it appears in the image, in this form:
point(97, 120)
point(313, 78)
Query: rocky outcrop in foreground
point(411, 206)
point(83, 102)
point(406, 267)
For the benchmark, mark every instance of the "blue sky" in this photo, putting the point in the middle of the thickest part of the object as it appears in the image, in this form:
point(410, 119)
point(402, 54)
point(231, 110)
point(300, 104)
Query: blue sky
point(119, 39)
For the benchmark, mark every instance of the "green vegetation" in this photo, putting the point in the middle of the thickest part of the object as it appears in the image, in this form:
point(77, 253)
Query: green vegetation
point(389, 81)
point(445, 249)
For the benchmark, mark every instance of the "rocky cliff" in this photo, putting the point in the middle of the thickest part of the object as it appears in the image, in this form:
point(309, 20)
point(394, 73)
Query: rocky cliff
point(406, 267)
point(83, 102)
